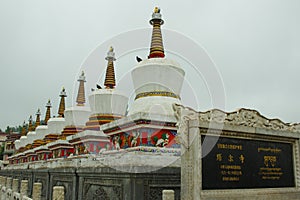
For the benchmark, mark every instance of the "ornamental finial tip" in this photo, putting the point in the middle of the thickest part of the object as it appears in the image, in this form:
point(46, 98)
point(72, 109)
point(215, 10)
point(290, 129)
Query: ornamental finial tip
point(111, 49)
point(156, 10)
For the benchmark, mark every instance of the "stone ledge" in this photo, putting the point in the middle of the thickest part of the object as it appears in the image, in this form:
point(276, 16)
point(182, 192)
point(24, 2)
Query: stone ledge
point(257, 194)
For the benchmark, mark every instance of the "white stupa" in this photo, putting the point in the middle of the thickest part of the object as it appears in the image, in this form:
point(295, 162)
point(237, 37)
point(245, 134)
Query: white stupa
point(76, 116)
point(107, 104)
point(42, 130)
point(157, 80)
point(57, 124)
point(23, 139)
point(31, 135)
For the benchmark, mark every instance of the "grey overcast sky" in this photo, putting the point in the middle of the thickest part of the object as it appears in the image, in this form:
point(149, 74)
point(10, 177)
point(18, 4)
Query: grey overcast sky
point(255, 45)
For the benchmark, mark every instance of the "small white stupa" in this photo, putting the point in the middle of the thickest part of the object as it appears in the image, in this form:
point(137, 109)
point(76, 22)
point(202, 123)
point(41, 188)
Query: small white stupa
point(76, 116)
point(22, 141)
point(57, 124)
point(107, 104)
point(41, 130)
point(31, 136)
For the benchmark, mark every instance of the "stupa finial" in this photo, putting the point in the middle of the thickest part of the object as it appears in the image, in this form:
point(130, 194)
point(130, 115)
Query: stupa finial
point(23, 132)
point(157, 48)
point(30, 126)
point(61, 108)
point(81, 92)
point(48, 112)
point(37, 120)
point(110, 81)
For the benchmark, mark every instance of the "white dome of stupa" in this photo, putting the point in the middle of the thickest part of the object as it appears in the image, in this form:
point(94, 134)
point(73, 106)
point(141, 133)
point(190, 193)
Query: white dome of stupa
point(56, 125)
point(17, 144)
point(31, 137)
point(108, 101)
point(40, 132)
point(157, 83)
point(77, 115)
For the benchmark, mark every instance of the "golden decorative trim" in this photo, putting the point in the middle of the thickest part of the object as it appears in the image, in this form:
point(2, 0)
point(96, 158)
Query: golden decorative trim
point(157, 93)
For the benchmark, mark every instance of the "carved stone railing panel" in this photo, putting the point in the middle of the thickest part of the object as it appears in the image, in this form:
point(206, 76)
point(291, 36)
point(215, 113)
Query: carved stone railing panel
point(241, 117)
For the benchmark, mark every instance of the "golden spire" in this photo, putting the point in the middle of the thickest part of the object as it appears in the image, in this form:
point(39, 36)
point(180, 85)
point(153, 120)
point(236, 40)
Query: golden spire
point(48, 114)
point(30, 126)
point(23, 133)
point(81, 96)
point(110, 81)
point(61, 108)
point(157, 48)
point(37, 121)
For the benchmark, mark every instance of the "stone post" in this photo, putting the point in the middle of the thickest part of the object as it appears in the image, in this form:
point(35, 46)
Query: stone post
point(168, 195)
point(2, 188)
point(2, 181)
point(37, 191)
point(58, 193)
point(190, 140)
point(8, 183)
point(15, 185)
point(24, 188)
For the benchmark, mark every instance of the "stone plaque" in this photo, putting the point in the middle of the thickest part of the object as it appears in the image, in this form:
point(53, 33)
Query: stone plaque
point(243, 163)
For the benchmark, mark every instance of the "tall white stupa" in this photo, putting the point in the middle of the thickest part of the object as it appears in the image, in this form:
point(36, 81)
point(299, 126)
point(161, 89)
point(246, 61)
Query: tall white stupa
point(157, 80)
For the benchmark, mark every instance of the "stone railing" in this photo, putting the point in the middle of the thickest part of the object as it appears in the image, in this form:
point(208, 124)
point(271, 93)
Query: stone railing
point(9, 190)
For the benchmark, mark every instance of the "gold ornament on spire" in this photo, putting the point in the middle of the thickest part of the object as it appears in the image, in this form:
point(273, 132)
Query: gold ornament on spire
point(61, 108)
point(110, 81)
point(156, 10)
point(48, 112)
point(30, 126)
point(157, 48)
point(81, 93)
point(38, 120)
